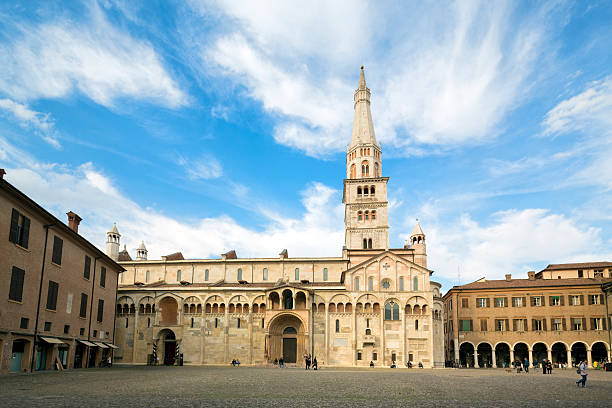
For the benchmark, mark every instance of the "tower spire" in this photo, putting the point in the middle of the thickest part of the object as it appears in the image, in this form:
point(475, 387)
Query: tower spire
point(363, 127)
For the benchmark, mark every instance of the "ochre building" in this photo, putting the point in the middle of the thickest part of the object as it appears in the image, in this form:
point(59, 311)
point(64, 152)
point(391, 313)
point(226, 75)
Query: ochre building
point(560, 314)
point(58, 290)
point(371, 304)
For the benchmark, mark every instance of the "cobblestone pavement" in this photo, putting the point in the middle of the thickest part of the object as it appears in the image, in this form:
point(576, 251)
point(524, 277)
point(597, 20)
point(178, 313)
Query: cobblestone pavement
point(193, 386)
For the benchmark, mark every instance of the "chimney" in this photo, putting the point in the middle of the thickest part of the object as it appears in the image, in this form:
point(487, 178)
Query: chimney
point(2, 173)
point(73, 221)
point(531, 275)
point(508, 276)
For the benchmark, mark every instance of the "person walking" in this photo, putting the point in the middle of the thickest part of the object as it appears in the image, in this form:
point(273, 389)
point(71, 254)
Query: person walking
point(526, 365)
point(582, 370)
point(281, 362)
point(315, 365)
point(549, 367)
point(308, 362)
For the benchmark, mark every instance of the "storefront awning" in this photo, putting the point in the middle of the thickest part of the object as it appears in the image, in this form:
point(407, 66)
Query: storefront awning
point(101, 345)
point(87, 343)
point(52, 340)
point(111, 345)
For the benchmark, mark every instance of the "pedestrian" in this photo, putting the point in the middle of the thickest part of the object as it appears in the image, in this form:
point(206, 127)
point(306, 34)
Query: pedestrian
point(308, 362)
point(582, 370)
point(275, 362)
point(371, 363)
point(549, 367)
point(526, 365)
point(315, 364)
point(281, 363)
point(110, 362)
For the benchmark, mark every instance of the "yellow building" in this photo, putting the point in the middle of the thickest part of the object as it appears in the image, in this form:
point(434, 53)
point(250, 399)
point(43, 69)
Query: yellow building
point(558, 314)
point(371, 304)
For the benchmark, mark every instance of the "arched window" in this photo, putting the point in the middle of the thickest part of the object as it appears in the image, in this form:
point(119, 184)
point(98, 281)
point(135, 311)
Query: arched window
point(391, 311)
point(324, 274)
point(366, 191)
point(376, 171)
point(370, 243)
point(353, 171)
point(358, 191)
point(147, 276)
point(357, 283)
point(265, 273)
point(368, 332)
point(297, 274)
point(366, 215)
point(359, 216)
point(148, 322)
point(372, 190)
point(365, 243)
point(238, 323)
point(192, 322)
point(415, 283)
point(239, 274)
point(206, 275)
point(416, 324)
point(337, 326)
point(178, 275)
point(370, 283)
point(373, 214)
point(401, 283)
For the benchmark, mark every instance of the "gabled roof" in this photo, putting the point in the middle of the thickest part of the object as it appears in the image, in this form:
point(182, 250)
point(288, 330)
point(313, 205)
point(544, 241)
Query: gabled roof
point(528, 283)
point(388, 252)
point(579, 265)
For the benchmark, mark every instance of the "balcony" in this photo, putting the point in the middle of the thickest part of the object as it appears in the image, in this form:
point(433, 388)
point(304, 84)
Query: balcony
point(369, 339)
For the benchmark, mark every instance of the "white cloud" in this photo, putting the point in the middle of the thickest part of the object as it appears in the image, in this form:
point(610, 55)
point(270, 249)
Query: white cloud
point(446, 76)
point(42, 123)
point(55, 59)
point(203, 168)
point(514, 242)
point(95, 197)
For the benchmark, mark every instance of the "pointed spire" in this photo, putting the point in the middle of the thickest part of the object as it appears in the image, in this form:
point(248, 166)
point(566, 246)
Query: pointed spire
point(114, 230)
point(362, 83)
point(363, 127)
point(417, 229)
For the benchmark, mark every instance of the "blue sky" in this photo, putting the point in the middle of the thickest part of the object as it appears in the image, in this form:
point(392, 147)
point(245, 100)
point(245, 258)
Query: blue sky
point(207, 126)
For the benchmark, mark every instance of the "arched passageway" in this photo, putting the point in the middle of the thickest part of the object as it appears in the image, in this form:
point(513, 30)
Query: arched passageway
point(466, 355)
point(540, 353)
point(287, 299)
point(286, 338)
point(599, 352)
point(485, 355)
point(558, 353)
point(502, 355)
point(579, 353)
point(521, 352)
point(274, 301)
point(169, 311)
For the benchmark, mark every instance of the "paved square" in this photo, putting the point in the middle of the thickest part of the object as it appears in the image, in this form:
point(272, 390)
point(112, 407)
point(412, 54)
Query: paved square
point(269, 387)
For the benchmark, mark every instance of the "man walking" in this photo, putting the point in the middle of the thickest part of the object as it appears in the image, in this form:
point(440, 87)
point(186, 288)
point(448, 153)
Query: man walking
point(582, 369)
point(526, 365)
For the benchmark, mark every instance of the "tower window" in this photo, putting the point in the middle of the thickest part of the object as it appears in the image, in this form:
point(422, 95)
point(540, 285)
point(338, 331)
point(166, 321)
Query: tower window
point(358, 191)
point(370, 243)
point(376, 170)
point(353, 171)
point(147, 276)
point(359, 216)
point(365, 191)
point(372, 190)
point(265, 274)
point(415, 283)
point(324, 274)
point(365, 243)
point(356, 283)
point(178, 275)
point(206, 275)
point(367, 215)
point(297, 274)
point(337, 326)
point(239, 274)
point(373, 214)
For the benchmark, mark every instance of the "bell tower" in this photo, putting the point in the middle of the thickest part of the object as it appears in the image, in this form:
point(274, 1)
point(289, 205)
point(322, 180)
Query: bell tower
point(365, 190)
point(112, 243)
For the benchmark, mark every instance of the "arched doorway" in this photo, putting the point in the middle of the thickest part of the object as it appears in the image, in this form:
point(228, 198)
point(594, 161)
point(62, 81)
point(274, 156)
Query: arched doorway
point(540, 352)
point(167, 344)
point(521, 352)
point(502, 355)
point(599, 352)
point(286, 338)
point(485, 355)
point(169, 311)
point(579, 352)
point(558, 353)
point(466, 355)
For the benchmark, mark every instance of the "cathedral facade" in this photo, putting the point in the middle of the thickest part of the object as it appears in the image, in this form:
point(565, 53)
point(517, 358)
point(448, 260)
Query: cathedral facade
point(373, 304)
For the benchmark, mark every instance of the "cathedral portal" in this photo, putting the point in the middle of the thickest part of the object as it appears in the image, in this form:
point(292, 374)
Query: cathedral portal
point(287, 339)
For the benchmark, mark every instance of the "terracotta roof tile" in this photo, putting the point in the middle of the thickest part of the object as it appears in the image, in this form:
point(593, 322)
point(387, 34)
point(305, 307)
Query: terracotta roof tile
point(526, 283)
point(582, 265)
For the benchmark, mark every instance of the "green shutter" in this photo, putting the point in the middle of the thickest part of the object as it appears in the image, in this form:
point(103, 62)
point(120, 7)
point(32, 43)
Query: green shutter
point(14, 226)
point(25, 232)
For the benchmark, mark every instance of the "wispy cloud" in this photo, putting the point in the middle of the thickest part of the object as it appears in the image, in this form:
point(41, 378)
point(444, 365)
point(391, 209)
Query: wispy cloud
point(54, 59)
point(42, 123)
point(202, 168)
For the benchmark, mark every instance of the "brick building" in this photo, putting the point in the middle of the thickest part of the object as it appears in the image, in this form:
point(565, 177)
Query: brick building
point(58, 292)
point(559, 313)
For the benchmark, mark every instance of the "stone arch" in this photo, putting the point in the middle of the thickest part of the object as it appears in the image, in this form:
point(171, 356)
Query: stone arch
point(466, 354)
point(558, 351)
point(521, 351)
point(166, 345)
point(485, 354)
point(274, 300)
point(599, 351)
point(146, 305)
point(300, 300)
point(190, 305)
point(579, 351)
point(290, 344)
point(342, 298)
point(125, 305)
point(287, 299)
point(539, 351)
point(169, 310)
point(502, 354)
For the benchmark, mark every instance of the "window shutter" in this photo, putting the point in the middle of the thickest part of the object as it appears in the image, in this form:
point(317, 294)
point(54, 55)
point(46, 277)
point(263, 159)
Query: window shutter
point(592, 323)
point(524, 301)
point(477, 303)
point(552, 324)
point(590, 300)
point(543, 300)
point(495, 302)
point(14, 226)
point(525, 328)
point(532, 301)
point(488, 302)
point(100, 309)
point(26, 232)
point(507, 324)
point(544, 325)
point(550, 300)
point(87, 268)
point(563, 324)
point(581, 299)
point(533, 325)
point(83, 311)
point(584, 323)
point(562, 300)
point(603, 323)
point(513, 324)
point(471, 325)
point(601, 299)
point(505, 302)
point(16, 287)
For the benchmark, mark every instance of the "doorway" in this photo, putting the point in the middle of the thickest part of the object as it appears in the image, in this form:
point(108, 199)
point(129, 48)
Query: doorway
point(18, 352)
point(168, 345)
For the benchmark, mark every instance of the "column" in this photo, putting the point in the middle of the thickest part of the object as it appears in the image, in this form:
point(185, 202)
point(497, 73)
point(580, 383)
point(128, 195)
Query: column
point(511, 356)
point(250, 320)
point(476, 365)
point(403, 338)
point(203, 334)
point(456, 350)
point(327, 333)
point(494, 360)
point(226, 332)
point(382, 334)
point(549, 351)
point(135, 341)
point(355, 333)
point(589, 358)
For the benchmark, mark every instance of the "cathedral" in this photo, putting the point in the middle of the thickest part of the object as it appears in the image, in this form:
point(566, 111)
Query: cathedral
point(371, 305)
